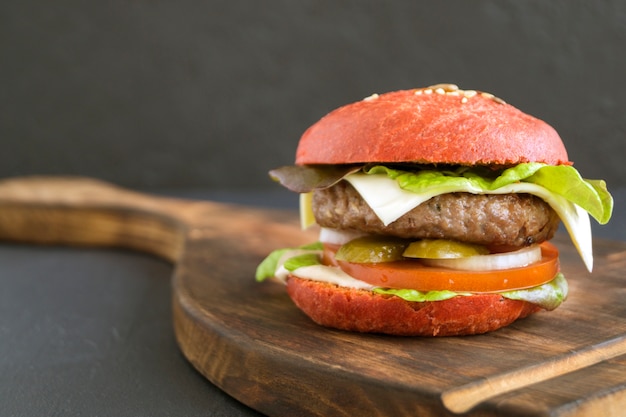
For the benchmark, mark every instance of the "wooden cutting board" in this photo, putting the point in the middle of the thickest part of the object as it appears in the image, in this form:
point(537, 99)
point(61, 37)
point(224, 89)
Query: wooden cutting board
point(249, 340)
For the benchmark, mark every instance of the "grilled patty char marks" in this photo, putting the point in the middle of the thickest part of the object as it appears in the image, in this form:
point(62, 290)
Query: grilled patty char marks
point(507, 220)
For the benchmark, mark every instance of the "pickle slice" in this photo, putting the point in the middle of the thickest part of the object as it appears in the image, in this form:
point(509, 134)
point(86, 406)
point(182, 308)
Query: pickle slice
point(372, 249)
point(443, 249)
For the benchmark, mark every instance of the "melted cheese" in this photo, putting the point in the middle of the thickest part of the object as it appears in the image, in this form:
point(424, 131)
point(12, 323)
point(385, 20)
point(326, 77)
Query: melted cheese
point(331, 275)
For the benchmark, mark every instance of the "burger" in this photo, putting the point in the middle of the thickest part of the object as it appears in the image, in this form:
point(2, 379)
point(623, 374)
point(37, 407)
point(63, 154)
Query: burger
point(435, 208)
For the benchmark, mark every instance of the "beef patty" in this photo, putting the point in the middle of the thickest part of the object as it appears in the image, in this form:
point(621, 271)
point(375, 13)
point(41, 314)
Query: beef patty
point(508, 220)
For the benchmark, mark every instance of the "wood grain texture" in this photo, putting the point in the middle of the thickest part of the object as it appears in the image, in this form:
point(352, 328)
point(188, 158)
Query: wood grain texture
point(248, 338)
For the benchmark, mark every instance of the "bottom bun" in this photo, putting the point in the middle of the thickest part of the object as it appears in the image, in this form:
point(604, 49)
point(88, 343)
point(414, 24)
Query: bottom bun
point(364, 311)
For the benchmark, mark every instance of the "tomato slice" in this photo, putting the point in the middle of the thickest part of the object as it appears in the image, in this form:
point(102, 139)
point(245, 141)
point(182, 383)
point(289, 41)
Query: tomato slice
point(411, 274)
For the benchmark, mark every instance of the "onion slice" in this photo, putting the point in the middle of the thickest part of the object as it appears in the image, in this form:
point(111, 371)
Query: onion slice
point(338, 237)
point(496, 261)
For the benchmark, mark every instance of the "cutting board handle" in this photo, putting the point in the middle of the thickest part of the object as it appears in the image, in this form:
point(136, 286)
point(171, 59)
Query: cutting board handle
point(88, 212)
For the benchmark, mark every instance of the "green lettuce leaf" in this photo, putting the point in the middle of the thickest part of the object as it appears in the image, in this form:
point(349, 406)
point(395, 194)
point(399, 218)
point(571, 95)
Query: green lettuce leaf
point(418, 296)
point(548, 296)
point(267, 268)
point(312, 246)
point(564, 180)
point(301, 261)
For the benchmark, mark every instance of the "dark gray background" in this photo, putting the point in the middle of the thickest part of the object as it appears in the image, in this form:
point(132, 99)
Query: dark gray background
point(200, 99)
point(212, 94)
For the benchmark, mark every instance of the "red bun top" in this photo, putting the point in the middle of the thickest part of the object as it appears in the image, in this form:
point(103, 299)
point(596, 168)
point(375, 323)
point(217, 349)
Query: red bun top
point(438, 124)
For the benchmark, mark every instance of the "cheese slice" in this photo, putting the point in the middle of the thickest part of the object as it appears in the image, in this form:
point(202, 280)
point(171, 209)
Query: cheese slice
point(390, 202)
point(307, 218)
